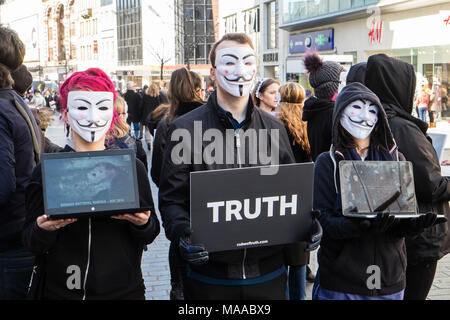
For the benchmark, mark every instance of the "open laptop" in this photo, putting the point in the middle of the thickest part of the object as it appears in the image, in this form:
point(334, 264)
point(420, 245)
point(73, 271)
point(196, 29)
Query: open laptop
point(371, 187)
point(88, 184)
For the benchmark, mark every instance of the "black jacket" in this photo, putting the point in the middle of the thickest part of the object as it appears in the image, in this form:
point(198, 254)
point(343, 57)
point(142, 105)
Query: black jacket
point(318, 113)
point(160, 141)
point(149, 104)
point(134, 102)
point(174, 190)
point(115, 250)
point(17, 160)
point(346, 251)
point(394, 83)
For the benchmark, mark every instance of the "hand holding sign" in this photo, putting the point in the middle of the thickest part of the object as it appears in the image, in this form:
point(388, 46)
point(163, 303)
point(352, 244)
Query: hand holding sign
point(316, 232)
point(192, 253)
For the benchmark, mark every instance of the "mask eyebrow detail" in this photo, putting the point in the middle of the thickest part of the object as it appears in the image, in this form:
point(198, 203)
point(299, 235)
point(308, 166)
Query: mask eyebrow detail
point(230, 55)
point(248, 56)
point(88, 102)
point(104, 100)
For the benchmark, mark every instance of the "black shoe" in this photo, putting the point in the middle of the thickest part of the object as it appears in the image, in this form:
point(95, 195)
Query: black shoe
point(310, 276)
point(176, 293)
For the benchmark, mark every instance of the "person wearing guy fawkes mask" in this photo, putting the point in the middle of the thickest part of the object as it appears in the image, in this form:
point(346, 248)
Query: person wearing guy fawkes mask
point(255, 273)
point(349, 246)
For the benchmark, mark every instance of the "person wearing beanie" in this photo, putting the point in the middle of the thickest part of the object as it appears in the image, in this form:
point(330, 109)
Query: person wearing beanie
point(22, 80)
point(19, 152)
point(324, 77)
point(394, 82)
point(350, 246)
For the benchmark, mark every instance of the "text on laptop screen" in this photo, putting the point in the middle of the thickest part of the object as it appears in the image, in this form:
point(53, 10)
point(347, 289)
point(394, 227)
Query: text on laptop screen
point(89, 181)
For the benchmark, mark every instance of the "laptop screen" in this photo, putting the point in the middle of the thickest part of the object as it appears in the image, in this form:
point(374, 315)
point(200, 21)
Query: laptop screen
point(82, 182)
point(377, 186)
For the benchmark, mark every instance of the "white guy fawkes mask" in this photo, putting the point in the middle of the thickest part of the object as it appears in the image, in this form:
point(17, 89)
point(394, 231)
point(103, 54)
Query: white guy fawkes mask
point(90, 113)
point(236, 70)
point(359, 118)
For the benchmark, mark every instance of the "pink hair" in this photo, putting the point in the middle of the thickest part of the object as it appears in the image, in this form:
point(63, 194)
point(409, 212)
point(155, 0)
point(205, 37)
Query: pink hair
point(92, 79)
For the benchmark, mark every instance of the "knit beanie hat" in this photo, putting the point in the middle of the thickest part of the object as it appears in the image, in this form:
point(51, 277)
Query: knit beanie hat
point(22, 80)
point(324, 76)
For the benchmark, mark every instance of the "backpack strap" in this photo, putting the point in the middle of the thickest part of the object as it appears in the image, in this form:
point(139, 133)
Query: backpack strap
point(29, 121)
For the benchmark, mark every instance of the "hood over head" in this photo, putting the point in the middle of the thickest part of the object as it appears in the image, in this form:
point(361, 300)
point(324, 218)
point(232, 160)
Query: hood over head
point(357, 91)
point(357, 73)
point(392, 80)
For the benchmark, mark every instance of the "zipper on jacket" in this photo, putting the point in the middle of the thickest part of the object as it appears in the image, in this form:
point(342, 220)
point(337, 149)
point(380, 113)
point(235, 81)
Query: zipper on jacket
point(88, 261)
point(238, 149)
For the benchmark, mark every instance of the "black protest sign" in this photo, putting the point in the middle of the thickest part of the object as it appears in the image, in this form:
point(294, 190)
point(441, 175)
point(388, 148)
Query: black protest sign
point(242, 208)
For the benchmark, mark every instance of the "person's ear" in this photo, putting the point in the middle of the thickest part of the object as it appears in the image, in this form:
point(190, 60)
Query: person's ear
point(212, 73)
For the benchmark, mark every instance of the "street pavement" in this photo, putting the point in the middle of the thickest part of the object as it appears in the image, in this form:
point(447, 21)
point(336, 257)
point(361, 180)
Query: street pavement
point(155, 264)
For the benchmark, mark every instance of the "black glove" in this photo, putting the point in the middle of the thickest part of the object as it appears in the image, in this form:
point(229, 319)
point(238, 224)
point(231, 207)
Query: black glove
point(382, 223)
point(422, 222)
point(415, 226)
point(195, 254)
point(316, 232)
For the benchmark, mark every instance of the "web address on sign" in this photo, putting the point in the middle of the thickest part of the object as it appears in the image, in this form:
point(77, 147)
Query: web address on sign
point(251, 243)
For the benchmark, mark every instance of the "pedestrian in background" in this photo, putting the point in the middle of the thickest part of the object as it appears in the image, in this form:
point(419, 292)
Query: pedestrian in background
point(120, 137)
point(19, 152)
point(150, 101)
point(184, 97)
point(38, 100)
point(266, 95)
point(324, 77)
point(134, 102)
point(163, 92)
point(108, 250)
point(394, 82)
point(292, 97)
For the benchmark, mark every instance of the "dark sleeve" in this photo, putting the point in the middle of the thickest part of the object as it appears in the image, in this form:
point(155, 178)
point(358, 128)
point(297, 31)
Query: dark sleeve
point(158, 150)
point(430, 185)
point(35, 239)
point(174, 192)
point(7, 163)
point(335, 226)
point(141, 154)
point(145, 234)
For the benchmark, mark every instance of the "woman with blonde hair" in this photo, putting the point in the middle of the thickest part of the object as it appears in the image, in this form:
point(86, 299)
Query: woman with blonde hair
point(292, 97)
point(119, 135)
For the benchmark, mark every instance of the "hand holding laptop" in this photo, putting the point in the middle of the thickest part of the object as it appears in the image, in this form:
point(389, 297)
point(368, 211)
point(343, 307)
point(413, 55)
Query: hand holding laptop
point(45, 223)
point(138, 219)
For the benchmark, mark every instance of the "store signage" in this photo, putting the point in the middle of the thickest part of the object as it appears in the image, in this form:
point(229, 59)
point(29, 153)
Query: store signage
point(317, 40)
point(270, 57)
point(375, 32)
point(447, 21)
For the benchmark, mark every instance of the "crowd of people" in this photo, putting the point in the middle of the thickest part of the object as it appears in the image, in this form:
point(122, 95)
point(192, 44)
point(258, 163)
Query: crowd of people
point(368, 118)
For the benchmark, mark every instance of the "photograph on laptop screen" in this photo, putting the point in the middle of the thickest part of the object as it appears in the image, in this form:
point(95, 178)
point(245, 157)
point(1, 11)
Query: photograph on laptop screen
point(75, 182)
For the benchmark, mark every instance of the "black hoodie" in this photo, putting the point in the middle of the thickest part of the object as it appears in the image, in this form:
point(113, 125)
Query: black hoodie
point(346, 251)
point(394, 82)
point(318, 113)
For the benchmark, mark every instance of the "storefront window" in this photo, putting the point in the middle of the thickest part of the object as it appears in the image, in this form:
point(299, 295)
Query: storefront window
point(298, 10)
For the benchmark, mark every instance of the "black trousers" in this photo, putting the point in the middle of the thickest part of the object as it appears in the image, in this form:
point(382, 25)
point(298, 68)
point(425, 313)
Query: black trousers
point(271, 290)
point(419, 279)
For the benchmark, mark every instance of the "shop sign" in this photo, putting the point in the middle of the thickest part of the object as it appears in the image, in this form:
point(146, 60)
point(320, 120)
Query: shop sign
point(321, 40)
point(375, 32)
point(447, 21)
point(270, 57)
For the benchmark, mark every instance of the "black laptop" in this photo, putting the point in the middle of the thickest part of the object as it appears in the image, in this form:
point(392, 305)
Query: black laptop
point(89, 184)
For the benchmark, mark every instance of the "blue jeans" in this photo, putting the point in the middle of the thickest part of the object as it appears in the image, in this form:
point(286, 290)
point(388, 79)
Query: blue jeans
point(296, 289)
point(137, 129)
point(16, 267)
point(423, 114)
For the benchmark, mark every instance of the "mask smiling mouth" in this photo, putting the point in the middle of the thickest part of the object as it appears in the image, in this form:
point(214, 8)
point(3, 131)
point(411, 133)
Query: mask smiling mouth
point(92, 125)
point(240, 79)
point(363, 123)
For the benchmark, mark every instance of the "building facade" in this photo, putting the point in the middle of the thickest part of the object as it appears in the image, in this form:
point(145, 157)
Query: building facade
point(415, 31)
point(259, 19)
